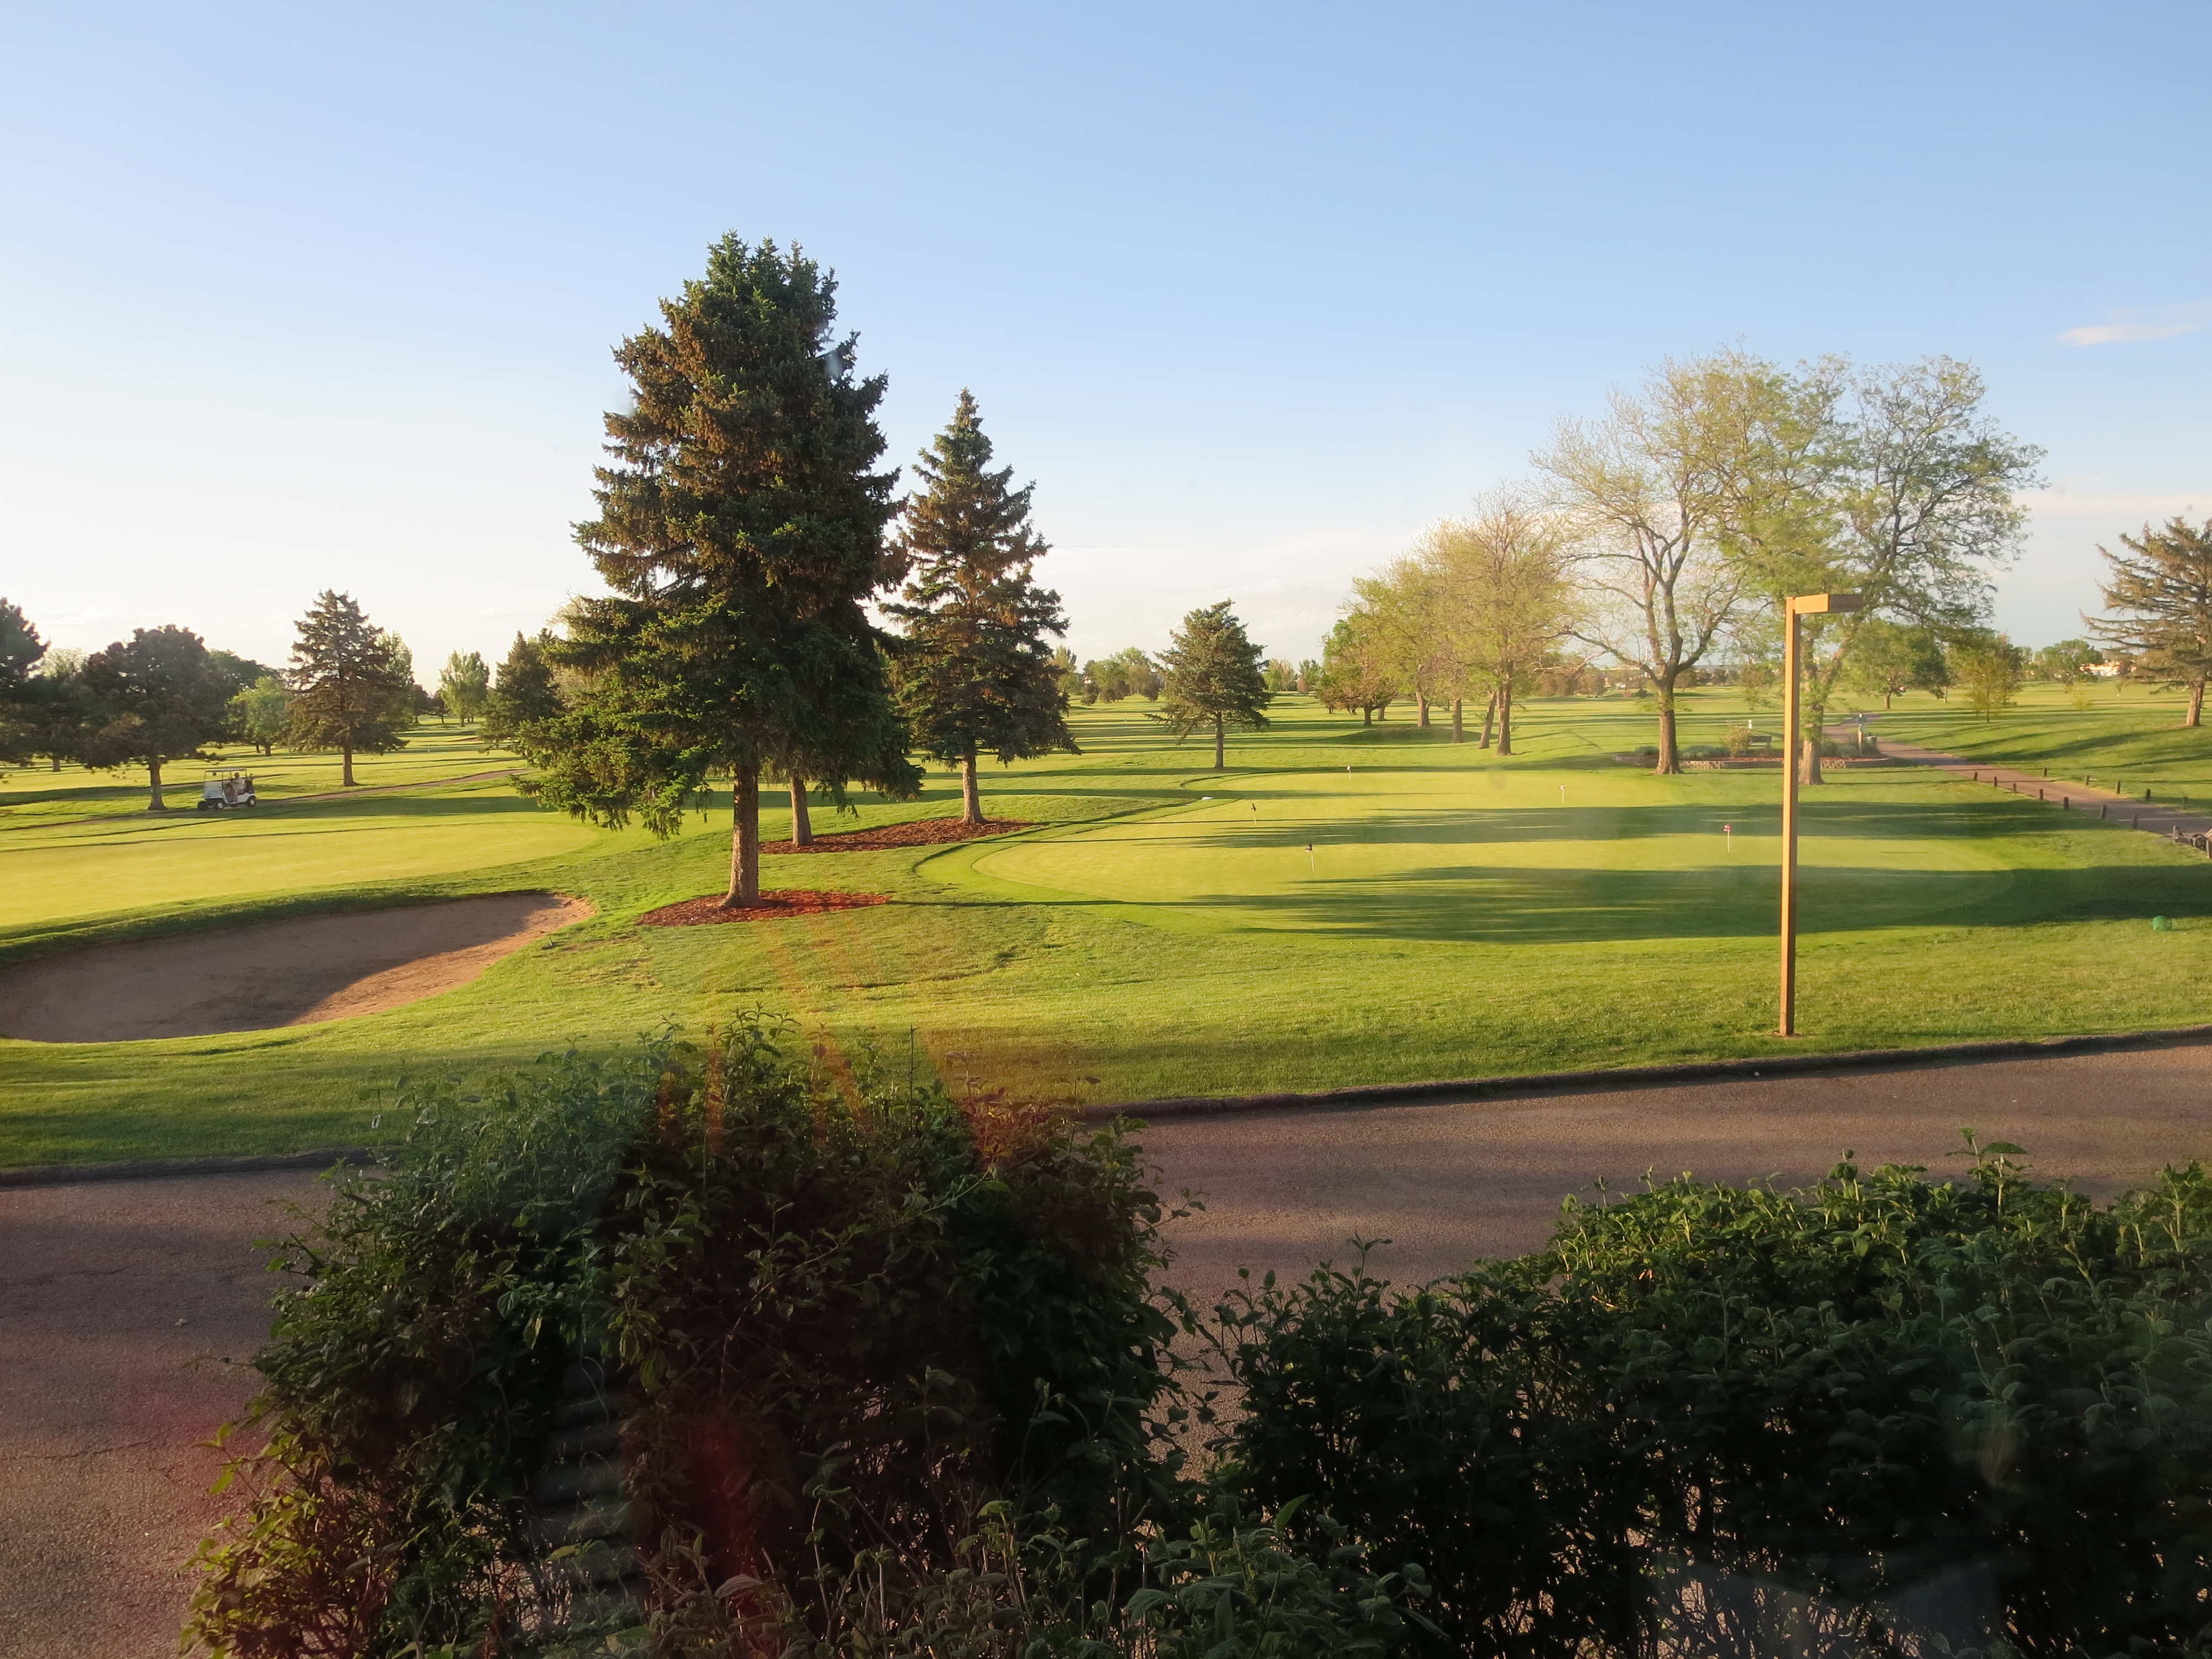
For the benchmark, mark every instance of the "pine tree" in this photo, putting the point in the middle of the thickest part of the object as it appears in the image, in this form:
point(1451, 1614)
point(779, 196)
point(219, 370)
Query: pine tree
point(975, 674)
point(1212, 678)
point(351, 691)
point(157, 698)
point(526, 697)
point(741, 533)
point(2164, 592)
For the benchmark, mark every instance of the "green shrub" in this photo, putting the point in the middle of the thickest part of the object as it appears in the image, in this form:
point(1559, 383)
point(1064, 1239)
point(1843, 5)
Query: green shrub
point(1704, 1407)
point(846, 1325)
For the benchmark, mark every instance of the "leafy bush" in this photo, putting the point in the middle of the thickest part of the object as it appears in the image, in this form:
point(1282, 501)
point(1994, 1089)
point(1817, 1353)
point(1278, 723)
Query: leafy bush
point(847, 1326)
point(1882, 1412)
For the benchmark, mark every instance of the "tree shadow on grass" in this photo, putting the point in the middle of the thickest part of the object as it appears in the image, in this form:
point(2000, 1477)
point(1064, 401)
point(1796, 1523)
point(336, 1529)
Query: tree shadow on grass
point(1479, 825)
point(1564, 905)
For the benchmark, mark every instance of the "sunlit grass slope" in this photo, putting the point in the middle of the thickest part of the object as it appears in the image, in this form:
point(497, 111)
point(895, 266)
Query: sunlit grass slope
point(1457, 915)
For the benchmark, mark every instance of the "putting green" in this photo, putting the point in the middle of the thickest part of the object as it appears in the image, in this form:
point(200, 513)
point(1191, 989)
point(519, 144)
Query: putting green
point(1507, 854)
point(92, 869)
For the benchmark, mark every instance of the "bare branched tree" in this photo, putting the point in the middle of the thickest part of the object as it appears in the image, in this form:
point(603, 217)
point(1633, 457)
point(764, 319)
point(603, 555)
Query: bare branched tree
point(1663, 495)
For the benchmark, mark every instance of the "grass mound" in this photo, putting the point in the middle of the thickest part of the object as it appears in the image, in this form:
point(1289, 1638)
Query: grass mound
point(916, 832)
point(708, 908)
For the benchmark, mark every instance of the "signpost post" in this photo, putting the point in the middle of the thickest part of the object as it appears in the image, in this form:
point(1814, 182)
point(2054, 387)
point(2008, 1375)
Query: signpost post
point(1802, 604)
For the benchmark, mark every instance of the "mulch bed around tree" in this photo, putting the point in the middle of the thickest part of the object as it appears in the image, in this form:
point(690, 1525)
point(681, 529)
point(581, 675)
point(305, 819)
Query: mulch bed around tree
point(922, 832)
point(791, 902)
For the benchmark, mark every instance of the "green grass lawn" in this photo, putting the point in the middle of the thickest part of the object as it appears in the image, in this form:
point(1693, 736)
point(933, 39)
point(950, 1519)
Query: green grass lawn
point(1457, 915)
point(2128, 731)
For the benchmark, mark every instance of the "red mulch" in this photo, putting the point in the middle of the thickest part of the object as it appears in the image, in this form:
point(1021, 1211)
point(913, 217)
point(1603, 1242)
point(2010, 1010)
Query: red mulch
point(791, 901)
point(921, 832)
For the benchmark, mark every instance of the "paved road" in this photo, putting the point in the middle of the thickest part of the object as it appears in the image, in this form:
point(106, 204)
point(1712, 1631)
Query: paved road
point(108, 1291)
point(126, 1310)
point(1446, 1183)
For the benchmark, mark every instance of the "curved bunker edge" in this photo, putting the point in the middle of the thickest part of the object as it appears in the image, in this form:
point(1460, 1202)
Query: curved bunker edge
point(300, 970)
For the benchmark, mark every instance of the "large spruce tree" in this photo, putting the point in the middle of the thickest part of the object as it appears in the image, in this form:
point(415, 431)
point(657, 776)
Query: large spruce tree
point(2161, 593)
point(740, 530)
point(1212, 678)
point(974, 674)
point(353, 687)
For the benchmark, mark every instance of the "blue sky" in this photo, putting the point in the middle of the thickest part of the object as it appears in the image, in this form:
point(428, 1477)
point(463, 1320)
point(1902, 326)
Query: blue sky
point(295, 297)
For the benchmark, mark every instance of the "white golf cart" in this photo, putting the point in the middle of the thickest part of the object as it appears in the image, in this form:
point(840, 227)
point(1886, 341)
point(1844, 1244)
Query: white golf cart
point(219, 794)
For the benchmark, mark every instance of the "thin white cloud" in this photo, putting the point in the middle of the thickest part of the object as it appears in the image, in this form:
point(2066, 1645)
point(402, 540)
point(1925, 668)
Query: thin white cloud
point(2143, 323)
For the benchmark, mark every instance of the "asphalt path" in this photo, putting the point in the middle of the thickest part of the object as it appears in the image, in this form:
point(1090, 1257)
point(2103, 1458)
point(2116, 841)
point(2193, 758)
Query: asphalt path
point(1446, 1183)
point(127, 1311)
point(127, 1307)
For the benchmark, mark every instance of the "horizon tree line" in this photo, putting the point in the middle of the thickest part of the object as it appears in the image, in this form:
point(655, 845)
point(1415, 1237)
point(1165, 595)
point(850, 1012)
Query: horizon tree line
point(1661, 538)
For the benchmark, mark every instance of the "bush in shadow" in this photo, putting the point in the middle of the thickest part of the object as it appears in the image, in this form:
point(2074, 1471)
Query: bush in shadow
point(1881, 1415)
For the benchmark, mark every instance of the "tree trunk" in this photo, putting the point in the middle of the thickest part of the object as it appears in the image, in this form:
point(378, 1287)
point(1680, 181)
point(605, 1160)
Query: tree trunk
point(971, 797)
point(745, 838)
point(1503, 700)
point(57, 760)
point(802, 826)
point(1489, 720)
point(1366, 718)
point(345, 769)
point(1459, 732)
point(1220, 740)
point(1670, 756)
point(157, 804)
point(2196, 702)
point(1810, 771)
point(1421, 703)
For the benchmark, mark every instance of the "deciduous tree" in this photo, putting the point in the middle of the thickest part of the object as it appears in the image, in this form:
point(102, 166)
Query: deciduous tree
point(1499, 581)
point(1988, 667)
point(974, 674)
point(58, 710)
point(262, 713)
point(2063, 661)
point(1889, 659)
point(740, 533)
point(1664, 494)
point(1129, 672)
point(1405, 628)
point(157, 698)
point(1212, 678)
point(1353, 673)
point(1921, 509)
point(464, 684)
point(2161, 600)
point(352, 690)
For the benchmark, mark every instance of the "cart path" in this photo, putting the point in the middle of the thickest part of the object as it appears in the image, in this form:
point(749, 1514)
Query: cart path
point(2150, 816)
point(127, 1311)
point(1447, 1183)
point(103, 1481)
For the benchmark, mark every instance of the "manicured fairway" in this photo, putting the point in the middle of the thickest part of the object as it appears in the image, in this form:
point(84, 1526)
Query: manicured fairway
point(80, 872)
point(1458, 916)
point(1519, 855)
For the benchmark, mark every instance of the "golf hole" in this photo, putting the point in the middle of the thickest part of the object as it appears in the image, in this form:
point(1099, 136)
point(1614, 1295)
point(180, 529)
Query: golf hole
point(300, 971)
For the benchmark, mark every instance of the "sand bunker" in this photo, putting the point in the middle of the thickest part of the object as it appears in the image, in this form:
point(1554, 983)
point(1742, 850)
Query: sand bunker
point(298, 972)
